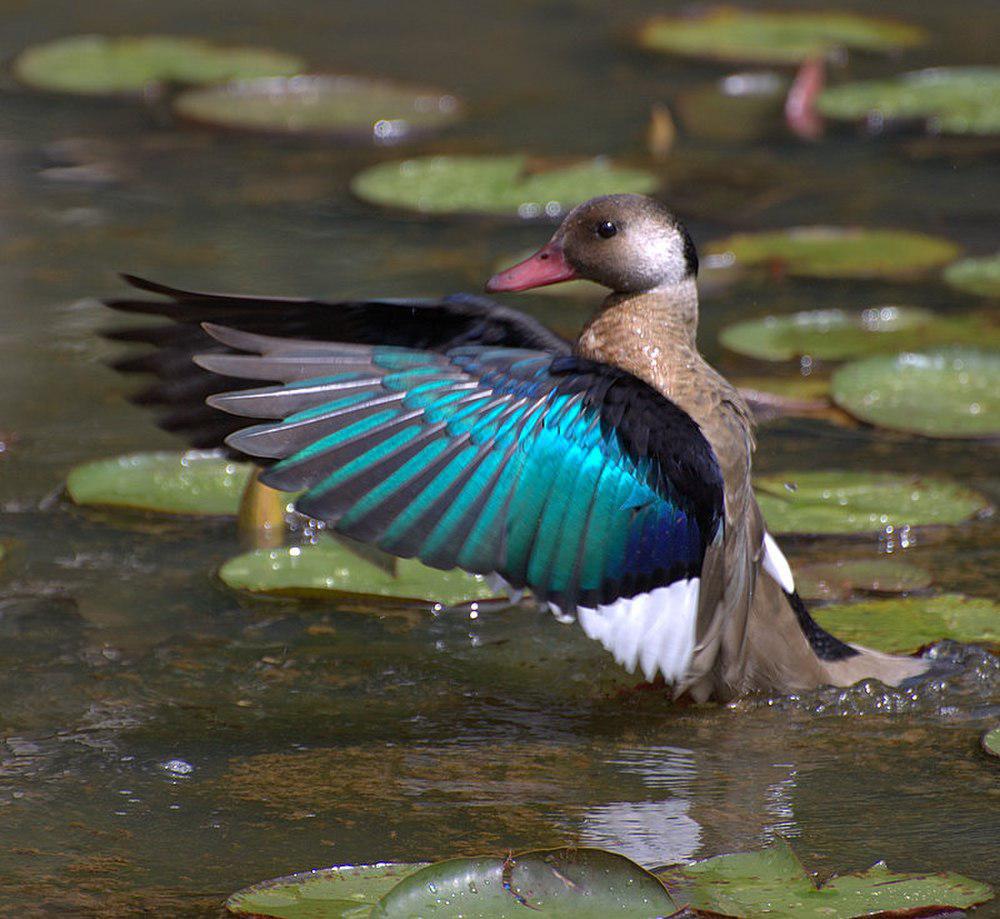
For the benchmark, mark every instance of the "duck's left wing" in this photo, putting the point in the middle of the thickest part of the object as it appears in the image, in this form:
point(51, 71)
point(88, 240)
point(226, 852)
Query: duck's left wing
point(569, 477)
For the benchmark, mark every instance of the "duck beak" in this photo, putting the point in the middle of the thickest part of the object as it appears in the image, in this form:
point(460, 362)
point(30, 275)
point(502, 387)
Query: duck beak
point(547, 266)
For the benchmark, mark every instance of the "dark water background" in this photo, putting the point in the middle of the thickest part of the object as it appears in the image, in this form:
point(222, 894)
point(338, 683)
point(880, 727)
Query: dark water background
point(309, 737)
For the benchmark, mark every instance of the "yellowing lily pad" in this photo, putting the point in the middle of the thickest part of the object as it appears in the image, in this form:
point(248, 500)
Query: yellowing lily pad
point(516, 185)
point(818, 502)
point(328, 893)
point(327, 569)
point(976, 275)
point(838, 580)
point(774, 883)
point(911, 623)
point(345, 106)
point(838, 252)
point(950, 100)
point(103, 65)
point(835, 334)
point(197, 482)
point(765, 37)
point(945, 393)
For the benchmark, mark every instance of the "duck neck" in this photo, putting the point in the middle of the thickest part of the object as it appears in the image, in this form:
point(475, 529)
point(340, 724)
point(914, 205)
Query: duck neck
point(650, 334)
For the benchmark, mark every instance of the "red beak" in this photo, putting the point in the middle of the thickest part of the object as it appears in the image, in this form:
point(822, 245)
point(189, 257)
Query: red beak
point(547, 266)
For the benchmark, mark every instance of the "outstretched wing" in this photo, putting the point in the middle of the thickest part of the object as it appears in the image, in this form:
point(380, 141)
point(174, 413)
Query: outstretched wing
point(570, 477)
point(181, 388)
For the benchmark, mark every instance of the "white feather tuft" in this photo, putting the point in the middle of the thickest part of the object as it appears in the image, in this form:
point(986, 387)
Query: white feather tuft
point(776, 565)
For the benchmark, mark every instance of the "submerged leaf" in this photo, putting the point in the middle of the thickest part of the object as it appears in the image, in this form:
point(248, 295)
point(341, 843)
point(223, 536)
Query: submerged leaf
point(952, 100)
point(838, 252)
point(510, 185)
point(196, 482)
point(730, 34)
point(837, 580)
point(911, 623)
point(357, 107)
point(774, 883)
point(821, 502)
point(945, 393)
point(976, 275)
point(104, 65)
point(328, 569)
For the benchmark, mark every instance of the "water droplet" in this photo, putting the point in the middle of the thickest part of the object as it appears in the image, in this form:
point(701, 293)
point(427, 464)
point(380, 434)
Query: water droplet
point(177, 767)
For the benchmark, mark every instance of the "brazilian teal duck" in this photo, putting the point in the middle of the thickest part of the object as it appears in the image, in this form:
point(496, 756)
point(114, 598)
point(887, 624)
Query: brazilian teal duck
point(610, 475)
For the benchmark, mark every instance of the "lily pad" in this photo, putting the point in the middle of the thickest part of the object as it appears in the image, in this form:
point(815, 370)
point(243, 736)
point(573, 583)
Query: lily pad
point(344, 106)
point(839, 252)
point(951, 100)
point(835, 334)
point(579, 883)
point(101, 65)
point(329, 893)
point(946, 393)
point(327, 569)
point(861, 502)
point(991, 742)
point(976, 275)
point(515, 185)
point(838, 580)
point(911, 623)
point(197, 482)
point(729, 34)
point(774, 883)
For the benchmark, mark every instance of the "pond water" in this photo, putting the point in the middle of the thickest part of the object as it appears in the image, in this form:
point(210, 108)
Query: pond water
point(164, 742)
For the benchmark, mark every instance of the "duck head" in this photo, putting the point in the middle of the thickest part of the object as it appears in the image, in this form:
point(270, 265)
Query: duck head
point(629, 243)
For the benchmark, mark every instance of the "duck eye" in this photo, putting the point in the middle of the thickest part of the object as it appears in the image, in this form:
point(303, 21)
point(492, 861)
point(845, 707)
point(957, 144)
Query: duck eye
point(606, 229)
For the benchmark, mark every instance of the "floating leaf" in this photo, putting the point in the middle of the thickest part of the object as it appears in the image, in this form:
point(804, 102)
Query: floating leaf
point(328, 569)
point(911, 623)
point(839, 252)
point(196, 482)
point(861, 502)
point(579, 883)
point(356, 107)
point(774, 883)
point(836, 334)
point(511, 185)
point(976, 275)
point(838, 580)
point(946, 393)
point(102, 65)
point(329, 893)
point(991, 742)
point(952, 100)
point(728, 34)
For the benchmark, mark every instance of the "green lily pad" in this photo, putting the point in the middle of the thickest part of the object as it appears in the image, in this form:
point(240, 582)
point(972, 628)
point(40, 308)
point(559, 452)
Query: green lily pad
point(511, 185)
point(991, 742)
point(195, 482)
point(825, 502)
point(976, 275)
point(951, 100)
point(835, 334)
point(327, 569)
point(838, 252)
point(729, 34)
point(100, 65)
point(838, 580)
point(774, 883)
point(346, 106)
point(911, 623)
point(579, 883)
point(945, 393)
point(329, 893)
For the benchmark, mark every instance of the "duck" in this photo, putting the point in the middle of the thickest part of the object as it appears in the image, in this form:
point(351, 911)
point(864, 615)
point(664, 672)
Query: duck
point(610, 475)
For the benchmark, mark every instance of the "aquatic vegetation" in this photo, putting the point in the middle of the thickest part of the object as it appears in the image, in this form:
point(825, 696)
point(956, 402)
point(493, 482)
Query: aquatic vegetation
point(837, 501)
point(976, 275)
point(838, 580)
point(991, 742)
point(772, 37)
point(514, 186)
point(104, 65)
point(354, 108)
point(943, 393)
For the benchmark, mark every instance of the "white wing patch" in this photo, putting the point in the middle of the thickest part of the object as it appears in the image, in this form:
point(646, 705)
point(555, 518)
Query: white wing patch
point(655, 630)
point(776, 565)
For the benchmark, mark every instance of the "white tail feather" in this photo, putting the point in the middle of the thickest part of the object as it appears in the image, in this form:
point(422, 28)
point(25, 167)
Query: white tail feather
point(776, 565)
